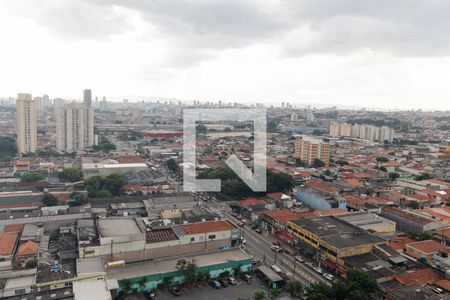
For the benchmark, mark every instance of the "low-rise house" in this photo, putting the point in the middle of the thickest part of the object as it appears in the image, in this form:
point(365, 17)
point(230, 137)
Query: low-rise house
point(27, 252)
point(424, 250)
point(8, 245)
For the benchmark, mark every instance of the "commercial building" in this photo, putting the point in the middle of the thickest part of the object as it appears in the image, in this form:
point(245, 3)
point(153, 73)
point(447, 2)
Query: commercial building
point(369, 222)
point(319, 195)
point(107, 168)
point(133, 239)
point(408, 221)
point(333, 238)
point(309, 149)
point(156, 273)
point(26, 124)
point(74, 126)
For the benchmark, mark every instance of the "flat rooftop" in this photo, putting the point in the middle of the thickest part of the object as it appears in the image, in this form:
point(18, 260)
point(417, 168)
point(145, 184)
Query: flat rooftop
point(117, 227)
point(153, 267)
point(335, 232)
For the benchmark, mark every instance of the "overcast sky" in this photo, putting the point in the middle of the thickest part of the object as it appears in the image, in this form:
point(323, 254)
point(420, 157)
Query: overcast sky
point(383, 53)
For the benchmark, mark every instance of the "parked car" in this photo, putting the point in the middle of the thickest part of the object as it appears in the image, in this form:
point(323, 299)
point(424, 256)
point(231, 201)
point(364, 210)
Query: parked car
point(150, 294)
point(318, 270)
point(276, 248)
point(246, 277)
point(223, 282)
point(328, 276)
point(309, 264)
point(215, 284)
point(232, 280)
point(175, 291)
point(276, 243)
point(299, 259)
point(258, 230)
point(241, 224)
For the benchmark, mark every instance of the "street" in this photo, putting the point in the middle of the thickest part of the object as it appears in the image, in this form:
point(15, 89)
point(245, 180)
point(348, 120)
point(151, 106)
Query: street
point(258, 246)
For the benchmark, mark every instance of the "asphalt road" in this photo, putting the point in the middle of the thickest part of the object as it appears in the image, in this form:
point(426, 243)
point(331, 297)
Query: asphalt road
point(258, 245)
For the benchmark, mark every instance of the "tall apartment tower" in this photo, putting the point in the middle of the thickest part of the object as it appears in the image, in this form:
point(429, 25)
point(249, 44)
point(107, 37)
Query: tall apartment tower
point(74, 126)
point(87, 98)
point(308, 149)
point(26, 124)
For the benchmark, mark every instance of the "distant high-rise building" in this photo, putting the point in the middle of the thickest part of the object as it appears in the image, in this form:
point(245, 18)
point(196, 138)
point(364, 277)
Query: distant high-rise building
point(26, 124)
point(87, 98)
point(363, 131)
point(74, 126)
point(309, 149)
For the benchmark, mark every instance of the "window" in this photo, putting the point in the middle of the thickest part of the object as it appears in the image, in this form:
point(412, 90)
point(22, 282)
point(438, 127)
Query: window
point(192, 239)
point(211, 237)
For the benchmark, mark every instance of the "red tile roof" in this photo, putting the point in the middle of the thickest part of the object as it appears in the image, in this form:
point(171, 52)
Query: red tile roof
point(252, 201)
point(204, 227)
point(330, 212)
point(429, 246)
point(283, 215)
point(129, 159)
point(399, 243)
point(444, 284)
point(7, 243)
point(418, 277)
point(13, 228)
point(28, 248)
point(320, 186)
point(354, 182)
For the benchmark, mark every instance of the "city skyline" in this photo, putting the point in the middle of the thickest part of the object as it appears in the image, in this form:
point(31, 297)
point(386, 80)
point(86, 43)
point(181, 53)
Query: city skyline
point(355, 54)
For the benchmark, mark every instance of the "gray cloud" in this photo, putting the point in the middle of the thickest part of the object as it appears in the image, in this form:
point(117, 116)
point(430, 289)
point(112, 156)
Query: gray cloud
point(199, 29)
point(77, 19)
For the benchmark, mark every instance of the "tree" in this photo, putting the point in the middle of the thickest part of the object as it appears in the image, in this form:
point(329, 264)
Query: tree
point(104, 145)
point(317, 163)
point(201, 129)
point(393, 176)
point(361, 280)
point(32, 177)
point(414, 204)
point(382, 168)
point(272, 126)
point(294, 288)
point(49, 200)
point(275, 293)
point(342, 162)
point(382, 159)
point(172, 165)
point(327, 173)
point(71, 175)
point(8, 148)
point(76, 199)
point(299, 163)
point(259, 295)
point(188, 269)
point(103, 194)
point(104, 187)
point(423, 176)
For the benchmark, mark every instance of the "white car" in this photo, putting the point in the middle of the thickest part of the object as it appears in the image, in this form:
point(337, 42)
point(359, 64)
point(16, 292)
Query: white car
point(299, 259)
point(318, 270)
point(328, 276)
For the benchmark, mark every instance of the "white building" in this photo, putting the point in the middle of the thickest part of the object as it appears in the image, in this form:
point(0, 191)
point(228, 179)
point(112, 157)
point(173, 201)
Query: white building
point(26, 123)
point(363, 131)
point(74, 126)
